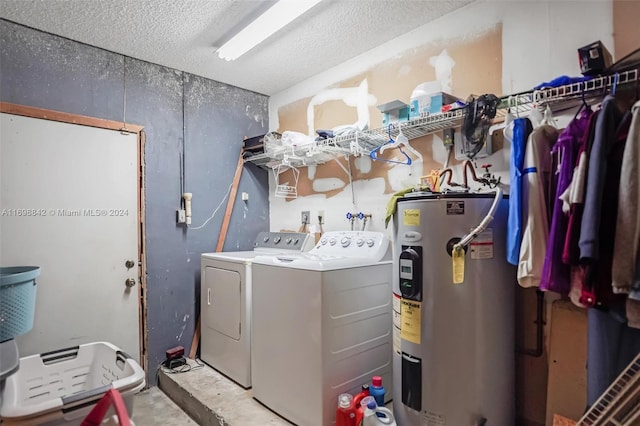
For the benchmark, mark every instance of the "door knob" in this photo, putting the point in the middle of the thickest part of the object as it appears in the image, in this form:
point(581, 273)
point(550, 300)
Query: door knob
point(129, 264)
point(130, 282)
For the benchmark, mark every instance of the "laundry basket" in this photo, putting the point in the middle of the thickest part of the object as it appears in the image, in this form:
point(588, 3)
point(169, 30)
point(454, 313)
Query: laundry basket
point(62, 387)
point(17, 300)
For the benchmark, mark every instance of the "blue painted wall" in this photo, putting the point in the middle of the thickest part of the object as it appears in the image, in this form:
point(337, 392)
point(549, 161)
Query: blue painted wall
point(46, 71)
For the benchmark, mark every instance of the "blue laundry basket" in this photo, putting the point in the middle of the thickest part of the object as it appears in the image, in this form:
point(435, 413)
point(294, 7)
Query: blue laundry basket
point(17, 300)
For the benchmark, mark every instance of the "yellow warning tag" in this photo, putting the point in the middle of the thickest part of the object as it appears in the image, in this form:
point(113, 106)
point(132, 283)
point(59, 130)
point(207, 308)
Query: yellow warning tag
point(458, 265)
point(411, 317)
point(411, 217)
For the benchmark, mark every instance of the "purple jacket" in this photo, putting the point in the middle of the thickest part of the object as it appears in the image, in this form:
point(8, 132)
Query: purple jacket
point(555, 273)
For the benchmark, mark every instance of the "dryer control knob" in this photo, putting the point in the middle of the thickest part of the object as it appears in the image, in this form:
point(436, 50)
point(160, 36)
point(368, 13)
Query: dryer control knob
point(288, 240)
point(345, 242)
point(332, 241)
point(265, 239)
point(360, 242)
point(323, 241)
point(370, 242)
point(276, 240)
point(296, 241)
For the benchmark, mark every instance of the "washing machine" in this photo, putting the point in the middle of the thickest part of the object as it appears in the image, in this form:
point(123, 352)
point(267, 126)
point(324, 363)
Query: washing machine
point(321, 325)
point(225, 302)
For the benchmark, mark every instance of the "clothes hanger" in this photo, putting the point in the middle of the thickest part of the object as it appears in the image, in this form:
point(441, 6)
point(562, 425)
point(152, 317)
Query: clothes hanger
point(534, 115)
point(547, 118)
point(508, 130)
point(508, 118)
point(391, 144)
point(401, 139)
point(584, 106)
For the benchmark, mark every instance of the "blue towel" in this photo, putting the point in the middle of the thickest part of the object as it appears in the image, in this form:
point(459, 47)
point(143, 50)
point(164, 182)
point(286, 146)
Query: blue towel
point(522, 128)
point(563, 80)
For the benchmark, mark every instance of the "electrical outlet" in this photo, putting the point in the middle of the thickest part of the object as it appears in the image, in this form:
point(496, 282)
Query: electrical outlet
point(182, 216)
point(305, 216)
point(448, 137)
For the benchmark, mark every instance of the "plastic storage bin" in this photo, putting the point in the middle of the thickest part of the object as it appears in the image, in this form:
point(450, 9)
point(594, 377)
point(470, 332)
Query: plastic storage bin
point(17, 300)
point(61, 387)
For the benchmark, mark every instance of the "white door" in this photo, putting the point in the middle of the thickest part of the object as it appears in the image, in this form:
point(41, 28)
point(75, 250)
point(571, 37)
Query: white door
point(69, 205)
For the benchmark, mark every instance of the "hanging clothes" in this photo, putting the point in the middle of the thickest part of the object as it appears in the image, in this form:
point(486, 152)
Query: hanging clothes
point(628, 230)
point(611, 342)
point(575, 194)
point(628, 221)
point(599, 223)
point(536, 181)
point(611, 346)
point(633, 300)
point(556, 275)
point(522, 128)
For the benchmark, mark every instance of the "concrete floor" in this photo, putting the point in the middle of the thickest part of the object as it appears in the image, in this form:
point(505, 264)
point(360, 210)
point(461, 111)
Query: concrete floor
point(210, 398)
point(152, 407)
point(201, 396)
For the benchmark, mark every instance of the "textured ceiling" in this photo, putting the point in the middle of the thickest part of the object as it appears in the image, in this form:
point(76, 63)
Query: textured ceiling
point(182, 34)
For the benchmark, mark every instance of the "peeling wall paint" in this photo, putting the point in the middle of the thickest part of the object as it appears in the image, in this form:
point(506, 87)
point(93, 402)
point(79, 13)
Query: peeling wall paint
point(444, 60)
point(45, 71)
point(443, 65)
point(357, 97)
point(448, 51)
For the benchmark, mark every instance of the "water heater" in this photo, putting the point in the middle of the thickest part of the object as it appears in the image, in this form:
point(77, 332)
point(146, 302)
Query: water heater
point(454, 354)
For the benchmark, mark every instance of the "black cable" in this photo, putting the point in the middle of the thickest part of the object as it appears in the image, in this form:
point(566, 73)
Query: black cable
point(179, 365)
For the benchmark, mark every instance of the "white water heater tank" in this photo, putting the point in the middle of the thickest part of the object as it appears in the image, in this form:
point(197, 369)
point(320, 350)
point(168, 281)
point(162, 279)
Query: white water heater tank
point(454, 354)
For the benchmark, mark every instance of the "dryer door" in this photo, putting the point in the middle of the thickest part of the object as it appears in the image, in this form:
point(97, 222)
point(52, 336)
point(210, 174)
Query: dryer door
point(221, 309)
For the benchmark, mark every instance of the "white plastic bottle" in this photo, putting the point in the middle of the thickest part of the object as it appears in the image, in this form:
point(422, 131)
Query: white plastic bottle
point(372, 419)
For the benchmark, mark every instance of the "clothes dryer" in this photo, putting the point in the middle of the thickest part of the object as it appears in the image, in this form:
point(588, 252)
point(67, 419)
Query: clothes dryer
point(321, 325)
point(225, 302)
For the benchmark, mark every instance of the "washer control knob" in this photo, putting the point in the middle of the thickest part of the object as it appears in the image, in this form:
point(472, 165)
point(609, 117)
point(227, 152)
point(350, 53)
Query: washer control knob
point(332, 241)
point(288, 240)
point(345, 242)
point(323, 241)
point(276, 240)
point(265, 239)
point(296, 241)
point(370, 242)
point(360, 242)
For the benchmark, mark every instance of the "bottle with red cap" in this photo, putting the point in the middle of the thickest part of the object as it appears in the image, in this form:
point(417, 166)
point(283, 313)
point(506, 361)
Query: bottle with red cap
point(356, 402)
point(346, 412)
point(377, 390)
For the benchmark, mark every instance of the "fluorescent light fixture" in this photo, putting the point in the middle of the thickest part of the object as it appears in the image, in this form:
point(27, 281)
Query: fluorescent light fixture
point(276, 17)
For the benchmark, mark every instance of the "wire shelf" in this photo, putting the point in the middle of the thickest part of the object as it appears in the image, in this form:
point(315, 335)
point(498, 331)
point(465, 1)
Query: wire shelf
point(363, 142)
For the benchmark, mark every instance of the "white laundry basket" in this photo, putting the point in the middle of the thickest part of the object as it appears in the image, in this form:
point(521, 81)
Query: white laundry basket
point(61, 387)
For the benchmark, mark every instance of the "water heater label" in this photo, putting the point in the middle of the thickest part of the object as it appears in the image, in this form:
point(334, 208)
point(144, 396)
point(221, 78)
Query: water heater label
point(411, 217)
point(397, 348)
point(396, 310)
point(482, 246)
point(429, 418)
point(410, 317)
point(397, 323)
point(455, 207)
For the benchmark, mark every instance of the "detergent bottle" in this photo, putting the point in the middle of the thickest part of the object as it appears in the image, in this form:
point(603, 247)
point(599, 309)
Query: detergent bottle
point(357, 400)
point(377, 390)
point(376, 416)
point(346, 411)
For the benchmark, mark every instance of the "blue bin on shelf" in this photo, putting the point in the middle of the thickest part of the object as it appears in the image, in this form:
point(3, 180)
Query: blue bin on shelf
point(17, 300)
